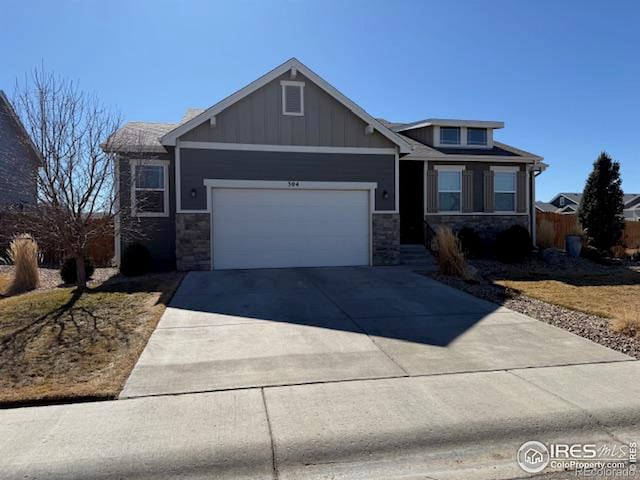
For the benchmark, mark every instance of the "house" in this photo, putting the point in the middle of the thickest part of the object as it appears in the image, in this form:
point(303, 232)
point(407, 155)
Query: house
point(19, 159)
point(568, 203)
point(290, 172)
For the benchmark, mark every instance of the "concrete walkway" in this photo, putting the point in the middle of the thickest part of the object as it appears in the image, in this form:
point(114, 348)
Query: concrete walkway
point(350, 373)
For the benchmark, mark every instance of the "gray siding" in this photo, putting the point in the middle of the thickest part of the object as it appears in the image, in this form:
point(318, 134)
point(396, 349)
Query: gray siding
point(156, 233)
point(423, 135)
point(479, 169)
point(258, 119)
point(196, 165)
point(18, 162)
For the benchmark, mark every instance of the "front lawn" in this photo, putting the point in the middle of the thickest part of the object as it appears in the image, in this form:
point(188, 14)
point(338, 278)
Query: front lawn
point(56, 347)
point(614, 294)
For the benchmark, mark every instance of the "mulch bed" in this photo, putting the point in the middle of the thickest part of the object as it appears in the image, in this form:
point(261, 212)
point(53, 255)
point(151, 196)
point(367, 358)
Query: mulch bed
point(592, 327)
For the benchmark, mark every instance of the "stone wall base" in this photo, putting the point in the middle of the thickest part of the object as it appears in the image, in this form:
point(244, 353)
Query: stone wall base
point(487, 226)
point(193, 241)
point(386, 238)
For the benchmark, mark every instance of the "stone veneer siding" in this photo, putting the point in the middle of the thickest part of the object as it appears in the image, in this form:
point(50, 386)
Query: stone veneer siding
point(193, 241)
point(487, 226)
point(386, 238)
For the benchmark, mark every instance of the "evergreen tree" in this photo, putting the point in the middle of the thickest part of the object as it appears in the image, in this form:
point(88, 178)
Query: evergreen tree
point(602, 205)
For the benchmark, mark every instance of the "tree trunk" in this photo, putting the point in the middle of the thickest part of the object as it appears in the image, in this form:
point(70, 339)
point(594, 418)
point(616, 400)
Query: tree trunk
point(80, 272)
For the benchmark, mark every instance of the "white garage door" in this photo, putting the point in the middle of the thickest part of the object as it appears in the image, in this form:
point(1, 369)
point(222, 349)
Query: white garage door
point(264, 228)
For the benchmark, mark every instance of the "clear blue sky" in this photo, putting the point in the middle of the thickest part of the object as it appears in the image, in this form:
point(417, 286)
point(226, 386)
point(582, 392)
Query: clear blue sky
point(564, 76)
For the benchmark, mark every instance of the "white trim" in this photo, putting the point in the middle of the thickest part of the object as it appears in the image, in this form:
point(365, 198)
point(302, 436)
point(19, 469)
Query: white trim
point(117, 237)
point(289, 185)
point(212, 183)
point(290, 83)
point(450, 122)
point(171, 137)
point(449, 157)
point(260, 147)
point(449, 168)
point(488, 214)
point(165, 168)
point(396, 183)
point(503, 168)
point(514, 171)
point(571, 201)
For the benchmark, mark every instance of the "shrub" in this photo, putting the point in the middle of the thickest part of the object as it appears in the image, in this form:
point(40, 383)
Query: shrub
point(136, 260)
point(627, 323)
point(513, 244)
point(546, 235)
point(69, 273)
point(23, 253)
point(618, 251)
point(470, 242)
point(450, 258)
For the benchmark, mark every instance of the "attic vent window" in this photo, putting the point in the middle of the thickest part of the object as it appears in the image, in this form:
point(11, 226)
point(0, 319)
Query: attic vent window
point(292, 98)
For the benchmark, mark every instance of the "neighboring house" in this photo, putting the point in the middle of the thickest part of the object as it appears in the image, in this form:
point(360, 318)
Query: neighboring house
point(19, 159)
point(289, 172)
point(568, 203)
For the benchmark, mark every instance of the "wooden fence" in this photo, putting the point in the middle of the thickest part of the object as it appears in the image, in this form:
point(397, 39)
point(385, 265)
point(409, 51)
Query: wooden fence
point(101, 249)
point(564, 224)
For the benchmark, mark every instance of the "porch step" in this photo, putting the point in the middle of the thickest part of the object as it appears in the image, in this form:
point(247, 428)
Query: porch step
point(416, 255)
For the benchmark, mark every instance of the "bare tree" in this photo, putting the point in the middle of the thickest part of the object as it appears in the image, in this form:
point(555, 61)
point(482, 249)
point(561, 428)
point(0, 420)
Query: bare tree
point(75, 182)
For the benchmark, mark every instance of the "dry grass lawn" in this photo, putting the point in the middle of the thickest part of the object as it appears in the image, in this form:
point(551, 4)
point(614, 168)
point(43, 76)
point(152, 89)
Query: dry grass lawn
point(55, 347)
point(5, 280)
point(615, 294)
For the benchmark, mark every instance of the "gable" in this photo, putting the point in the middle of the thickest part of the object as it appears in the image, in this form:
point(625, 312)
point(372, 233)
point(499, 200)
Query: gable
point(330, 118)
point(258, 119)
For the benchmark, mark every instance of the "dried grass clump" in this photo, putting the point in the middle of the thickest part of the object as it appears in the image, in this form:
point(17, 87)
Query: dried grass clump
point(546, 235)
point(618, 251)
point(576, 229)
point(628, 323)
point(450, 258)
point(23, 253)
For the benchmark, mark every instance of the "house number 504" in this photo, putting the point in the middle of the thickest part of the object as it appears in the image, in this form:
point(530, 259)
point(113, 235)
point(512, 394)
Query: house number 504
point(294, 184)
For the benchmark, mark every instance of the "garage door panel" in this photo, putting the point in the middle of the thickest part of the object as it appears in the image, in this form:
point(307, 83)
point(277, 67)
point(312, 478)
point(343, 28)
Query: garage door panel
point(254, 228)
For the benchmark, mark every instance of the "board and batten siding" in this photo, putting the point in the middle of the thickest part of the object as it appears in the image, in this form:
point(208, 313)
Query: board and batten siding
point(196, 165)
point(258, 119)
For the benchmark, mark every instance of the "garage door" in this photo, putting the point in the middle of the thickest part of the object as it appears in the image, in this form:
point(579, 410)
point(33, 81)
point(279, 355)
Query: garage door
point(271, 228)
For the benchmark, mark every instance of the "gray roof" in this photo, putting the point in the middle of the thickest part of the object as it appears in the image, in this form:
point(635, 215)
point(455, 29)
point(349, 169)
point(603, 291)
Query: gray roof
point(135, 137)
point(576, 197)
point(495, 151)
point(546, 207)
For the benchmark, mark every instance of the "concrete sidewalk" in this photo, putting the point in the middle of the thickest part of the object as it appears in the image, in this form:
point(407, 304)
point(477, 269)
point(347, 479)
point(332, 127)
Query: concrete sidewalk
point(455, 426)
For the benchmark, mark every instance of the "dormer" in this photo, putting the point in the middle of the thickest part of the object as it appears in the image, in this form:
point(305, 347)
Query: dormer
point(443, 133)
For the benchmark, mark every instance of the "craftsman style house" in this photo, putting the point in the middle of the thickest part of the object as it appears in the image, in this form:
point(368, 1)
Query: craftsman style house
point(289, 172)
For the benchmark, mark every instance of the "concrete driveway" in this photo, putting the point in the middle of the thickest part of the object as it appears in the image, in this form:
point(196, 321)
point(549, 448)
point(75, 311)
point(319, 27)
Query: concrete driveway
point(256, 328)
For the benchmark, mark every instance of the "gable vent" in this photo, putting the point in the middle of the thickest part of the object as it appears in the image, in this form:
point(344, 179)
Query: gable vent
point(292, 98)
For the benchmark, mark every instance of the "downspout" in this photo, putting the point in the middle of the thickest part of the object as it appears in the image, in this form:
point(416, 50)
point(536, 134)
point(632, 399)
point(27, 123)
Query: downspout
point(532, 208)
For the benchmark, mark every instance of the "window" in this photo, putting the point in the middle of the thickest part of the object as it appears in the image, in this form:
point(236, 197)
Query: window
point(449, 190)
point(450, 135)
point(505, 191)
point(149, 189)
point(292, 98)
point(562, 201)
point(476, 136)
